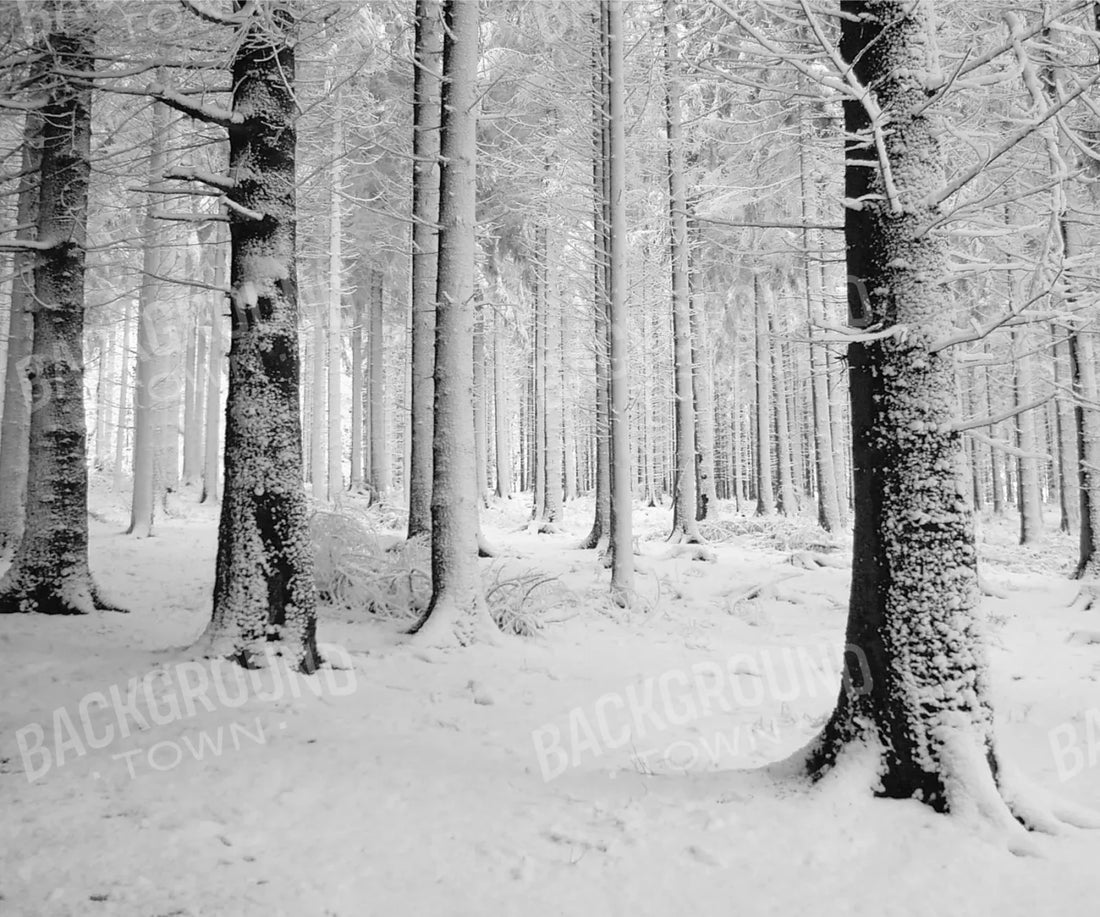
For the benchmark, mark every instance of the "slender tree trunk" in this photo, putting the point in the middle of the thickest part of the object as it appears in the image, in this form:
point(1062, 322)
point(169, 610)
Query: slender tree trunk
point(481, 443)
point(318, 470)
point(458, 609)
point(335, 306)
point(569, 412)
point(426, 116)
point(1068, 495)
point(552, 394)
point(622, 542)
point(263, 582)
point(49, 571)
point(357, 390)
point(194, 397)
point(788, 502)
point(211, 477)
point(153, 368)
point(765, 493)
point(601, 524)
point(14, 432)
point(501, 412)
point(703, 390)
point(124, 386)
point(1030, 503)
point(684, 508)
point(379, 451)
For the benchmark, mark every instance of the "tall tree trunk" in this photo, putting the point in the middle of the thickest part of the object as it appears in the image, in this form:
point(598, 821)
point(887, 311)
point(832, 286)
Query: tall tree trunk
point(481, 444)
point(552, 393)
point(426, 116)
point(318, 470)
point(211, 478)
point(458, 609)
point(49, 572)
point(379, 451)
point(684, 508)
point(501, 412)
point(622, 542)
point(194, 391)
point(788, 502)
point(569, 411)
point(152, 374)
point(357, 368)
point(765, 492)
point(828, 502)
point(15, 430)
point(601, 523)
point(921, 699)
point(263, 582)
point(703, 390)
point(124, 387)
point(1030, 503)
point(335, 291)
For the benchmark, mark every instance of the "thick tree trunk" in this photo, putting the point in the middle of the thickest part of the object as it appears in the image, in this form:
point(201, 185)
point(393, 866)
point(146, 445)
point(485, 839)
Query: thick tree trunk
point(49, 572)
point(15, 431)
point(765, 492)
point(921, 698)
point(458, 609)
point(263, 582)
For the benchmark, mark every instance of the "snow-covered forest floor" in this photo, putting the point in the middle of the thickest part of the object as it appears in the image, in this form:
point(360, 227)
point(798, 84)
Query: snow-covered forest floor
point(412, 783)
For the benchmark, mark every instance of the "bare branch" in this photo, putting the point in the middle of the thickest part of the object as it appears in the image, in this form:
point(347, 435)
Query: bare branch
point(963, 425)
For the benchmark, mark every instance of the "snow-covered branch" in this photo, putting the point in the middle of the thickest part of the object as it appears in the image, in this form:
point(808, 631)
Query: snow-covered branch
point(242, 210)
point(1006, 448)
point(28, 245)
point(210, 113)
point(213, 179)
point(189, 217)
point(963, 425)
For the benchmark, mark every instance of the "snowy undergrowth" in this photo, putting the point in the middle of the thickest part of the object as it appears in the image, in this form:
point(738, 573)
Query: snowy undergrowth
point(430, 782)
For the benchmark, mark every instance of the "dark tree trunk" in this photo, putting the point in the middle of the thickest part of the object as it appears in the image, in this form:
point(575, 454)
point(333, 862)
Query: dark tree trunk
point(49, 572)
point(263, 586)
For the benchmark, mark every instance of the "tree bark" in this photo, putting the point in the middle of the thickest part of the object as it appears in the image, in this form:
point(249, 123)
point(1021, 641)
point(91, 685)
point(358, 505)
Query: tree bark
point(501, 412)
point(1030, 503)
point(788, 502)
point(458, 609)
point(15, 429)
point(379, 451)
point(426, 116)
point(622, 543)
point(49, 572)
point(921, 698)
point(335, 342)
point(264, 591)
point(765, 492)
point(211, 477)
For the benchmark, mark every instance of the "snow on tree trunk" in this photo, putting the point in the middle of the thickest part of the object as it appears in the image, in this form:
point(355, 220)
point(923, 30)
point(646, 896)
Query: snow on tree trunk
point(552, 392)
point(357, 366)
point(481, 457)
point(501, 412)
point(684, 525)
point(211, 488)
point(828, 503)
point(14, 433)
point(920, 699)
point(335, 445)
point(458, 609)
point(425, 204)
point(263, 584)
point(765, 492)
point(379, 451)
point(1030, 502)
point(123, 399)
point(788, 502)
point(621, 543)
point(1083, 356)
point(152, 369)
point(193, 393)
point(703, 390)
point(49, 572)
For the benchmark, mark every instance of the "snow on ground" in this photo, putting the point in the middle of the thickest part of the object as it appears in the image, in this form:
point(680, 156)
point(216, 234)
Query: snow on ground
point(415, 782)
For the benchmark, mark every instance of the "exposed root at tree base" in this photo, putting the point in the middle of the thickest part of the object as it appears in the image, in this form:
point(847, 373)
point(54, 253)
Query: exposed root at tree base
point(64, 600)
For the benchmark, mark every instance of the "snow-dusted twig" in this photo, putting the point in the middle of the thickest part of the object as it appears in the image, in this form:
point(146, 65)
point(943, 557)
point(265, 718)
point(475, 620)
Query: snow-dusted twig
point(28, 245)
point(213, 179)
point(958, 183)
point(1007, 449)
point(210, 113)
point(853, 336)
point(863, 94)
point(241, 209)
point(964, 425)
point(189, 217)
point(980, 332)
